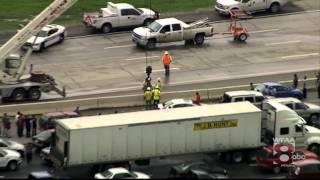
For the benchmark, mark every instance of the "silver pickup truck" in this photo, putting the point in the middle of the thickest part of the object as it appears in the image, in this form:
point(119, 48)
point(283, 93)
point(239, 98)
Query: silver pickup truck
point(171, 30)
point(119, 15)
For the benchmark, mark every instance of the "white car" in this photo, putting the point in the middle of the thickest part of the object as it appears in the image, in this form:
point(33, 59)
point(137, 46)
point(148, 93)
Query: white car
point(9, 159)
point(4, 143)
point(49, 35)
point(120, 173)
point(176, 103)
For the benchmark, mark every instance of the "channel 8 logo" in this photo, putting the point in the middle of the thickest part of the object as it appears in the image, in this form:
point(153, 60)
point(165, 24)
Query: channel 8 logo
point(283, 153)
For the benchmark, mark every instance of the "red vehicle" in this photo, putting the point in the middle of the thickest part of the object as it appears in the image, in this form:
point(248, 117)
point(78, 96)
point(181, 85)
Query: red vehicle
point(267, 159)
point(47, 120)
point(309, 168)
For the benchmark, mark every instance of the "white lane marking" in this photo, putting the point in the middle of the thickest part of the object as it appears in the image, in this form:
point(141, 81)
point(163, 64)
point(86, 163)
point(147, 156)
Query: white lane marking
point(159, 70)
point(262, 31)
point(141, 58)
point(299, 55)
point(114, 47)
point(281, 43)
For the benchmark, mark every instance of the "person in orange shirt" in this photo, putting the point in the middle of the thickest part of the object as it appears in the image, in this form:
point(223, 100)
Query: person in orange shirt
point(166, 59)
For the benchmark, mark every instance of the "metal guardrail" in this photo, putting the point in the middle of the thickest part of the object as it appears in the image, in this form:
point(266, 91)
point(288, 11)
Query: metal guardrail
point(125, 101)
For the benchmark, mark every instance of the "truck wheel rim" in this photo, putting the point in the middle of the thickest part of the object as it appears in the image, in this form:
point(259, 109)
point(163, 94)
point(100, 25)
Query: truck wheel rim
point(106, 29)
point(243, 37)
point(35, 95)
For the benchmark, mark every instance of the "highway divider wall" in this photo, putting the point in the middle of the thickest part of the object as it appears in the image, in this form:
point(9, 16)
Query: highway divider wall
point(126, 100)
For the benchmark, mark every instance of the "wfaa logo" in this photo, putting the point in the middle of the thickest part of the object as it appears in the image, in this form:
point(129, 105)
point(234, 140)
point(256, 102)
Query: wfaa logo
point(284, 151)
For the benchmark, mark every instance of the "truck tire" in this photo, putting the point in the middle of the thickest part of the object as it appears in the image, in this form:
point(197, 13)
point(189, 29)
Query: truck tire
point(275, 7)
point(12, 165)
point(237, 157)
point(243, 37)
point(18, 94)
point(34, 94)
point(147, 22)
point(276, 169)
point(314, 119)
point(151, 44)
point(251, 156)
point(199, 39)
point(106, 28)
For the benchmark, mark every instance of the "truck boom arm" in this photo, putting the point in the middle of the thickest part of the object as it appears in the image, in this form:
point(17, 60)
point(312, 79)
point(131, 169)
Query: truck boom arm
point(54, 10)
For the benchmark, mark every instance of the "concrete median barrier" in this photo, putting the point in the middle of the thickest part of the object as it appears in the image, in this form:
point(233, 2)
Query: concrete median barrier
point(127, 100)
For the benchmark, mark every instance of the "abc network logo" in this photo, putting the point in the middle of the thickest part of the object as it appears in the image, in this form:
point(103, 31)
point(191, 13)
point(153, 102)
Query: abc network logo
point(284, 151)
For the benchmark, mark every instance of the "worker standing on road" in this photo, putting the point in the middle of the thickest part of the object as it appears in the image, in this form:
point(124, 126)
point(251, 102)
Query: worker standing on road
point(251, 86)
point(156, 97)
point(147, 83)
point(318, 84)
point(295, 81)
point(148, 98)
point(166, 59)
point(304, 89)
point(33, 121)
point(7, 125)
point(149, 70)
point(198, 99)
point(158, 84)
point(21, 120)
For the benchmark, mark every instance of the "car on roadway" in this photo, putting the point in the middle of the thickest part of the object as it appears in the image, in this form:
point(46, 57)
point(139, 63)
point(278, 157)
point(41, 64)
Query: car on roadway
point(49, 35)
point(254, 97)
point(9, 159)
point(43, 139)
point(304, 169)
point(120, 173)
point(5, 143)
point(177, 103)
point(183, 170)
point(278, 90)
point(47, 120)
point(267, 159)
point(308, 111)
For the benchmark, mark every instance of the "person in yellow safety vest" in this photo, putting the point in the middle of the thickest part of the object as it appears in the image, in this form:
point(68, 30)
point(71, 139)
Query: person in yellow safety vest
point(158, 84)
point(156, 97)
point(148, 97)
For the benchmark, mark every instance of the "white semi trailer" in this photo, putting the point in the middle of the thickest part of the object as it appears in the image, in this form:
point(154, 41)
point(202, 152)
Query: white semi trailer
point(235, 129)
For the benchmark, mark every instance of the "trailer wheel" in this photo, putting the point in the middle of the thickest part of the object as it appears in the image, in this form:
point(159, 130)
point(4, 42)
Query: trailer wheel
point(18, 94)
point(237, 157)
point(243, 37)
point(199, 39)
point(251, 156)
point(34, 94)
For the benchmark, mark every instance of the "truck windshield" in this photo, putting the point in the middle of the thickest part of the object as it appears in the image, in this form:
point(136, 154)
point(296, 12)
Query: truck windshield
point(154, 26)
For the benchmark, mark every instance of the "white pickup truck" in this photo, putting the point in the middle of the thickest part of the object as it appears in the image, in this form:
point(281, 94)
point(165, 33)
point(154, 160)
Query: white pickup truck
point(171, 30)
point(119, 15)
point(251, 6)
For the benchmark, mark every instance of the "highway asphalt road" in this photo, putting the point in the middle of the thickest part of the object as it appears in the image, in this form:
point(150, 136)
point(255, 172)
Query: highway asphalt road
point(101, 64)
point(159, 168)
